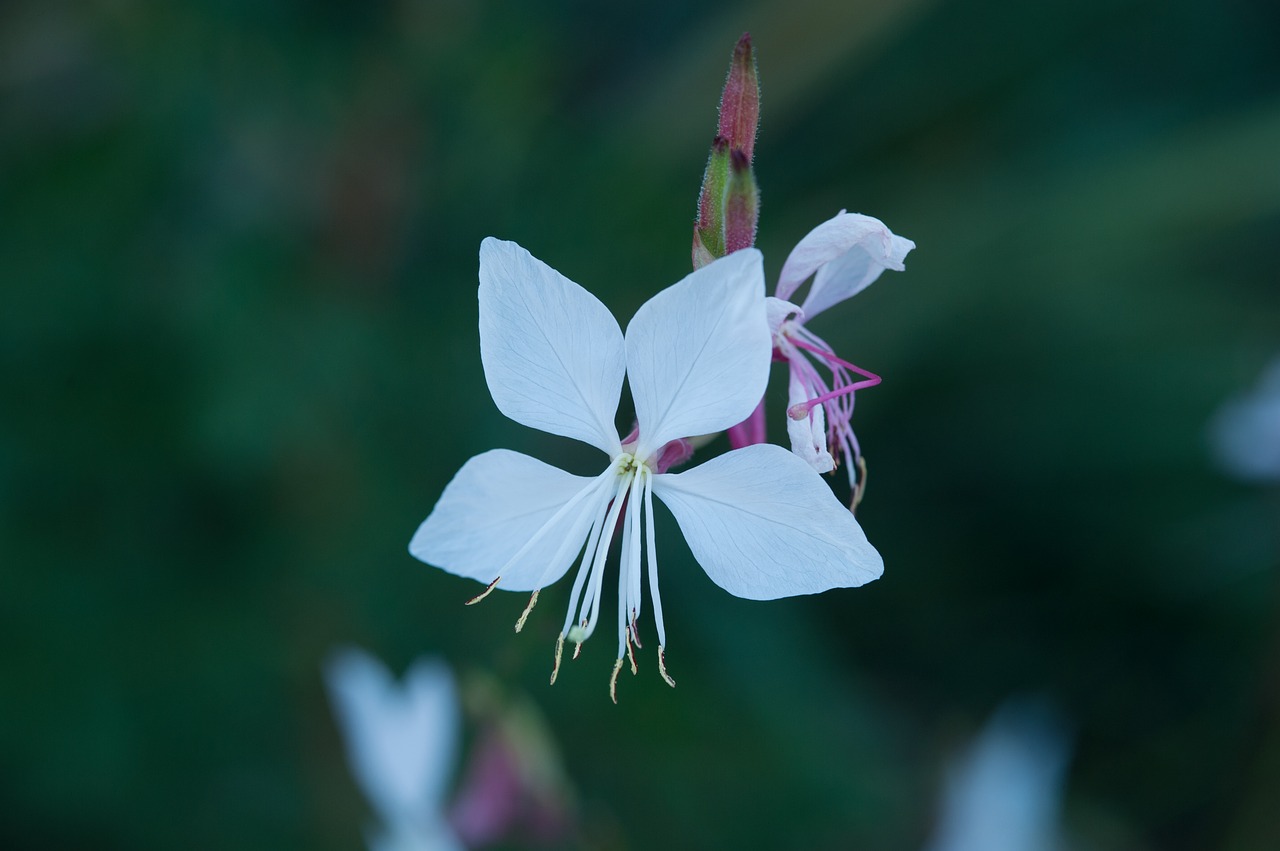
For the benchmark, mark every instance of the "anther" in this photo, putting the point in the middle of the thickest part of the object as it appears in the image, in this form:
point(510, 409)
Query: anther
point(559, 649)
point(577, 635)
point(485, 593)
point(631, 656)
point(613, 681)
point(524, 616)
point(662, 666)
point(860, 488)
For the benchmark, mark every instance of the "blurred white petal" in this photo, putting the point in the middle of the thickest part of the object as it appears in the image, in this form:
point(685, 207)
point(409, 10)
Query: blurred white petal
point(1245, 433)
point(401, 737)
point(1005, 793)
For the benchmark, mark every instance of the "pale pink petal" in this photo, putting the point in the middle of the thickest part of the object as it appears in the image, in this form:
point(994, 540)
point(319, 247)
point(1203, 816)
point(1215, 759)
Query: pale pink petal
point(847, 253)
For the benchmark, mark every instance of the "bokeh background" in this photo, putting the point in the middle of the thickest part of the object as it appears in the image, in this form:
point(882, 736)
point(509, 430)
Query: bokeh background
point(239, 362)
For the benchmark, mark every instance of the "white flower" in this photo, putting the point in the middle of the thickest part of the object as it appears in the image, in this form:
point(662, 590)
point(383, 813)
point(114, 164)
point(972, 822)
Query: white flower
point(758, 520)
point(1246, 431)
point(402, 740)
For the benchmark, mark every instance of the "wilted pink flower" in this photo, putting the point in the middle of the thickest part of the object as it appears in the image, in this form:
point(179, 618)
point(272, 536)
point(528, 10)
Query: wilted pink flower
point(844, 255)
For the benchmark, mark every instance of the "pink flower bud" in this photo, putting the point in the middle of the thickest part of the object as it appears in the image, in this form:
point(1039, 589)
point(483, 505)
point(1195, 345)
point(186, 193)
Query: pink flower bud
point(740, 102)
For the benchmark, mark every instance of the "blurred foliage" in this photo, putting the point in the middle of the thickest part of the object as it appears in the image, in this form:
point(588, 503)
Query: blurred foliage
point(239, 361)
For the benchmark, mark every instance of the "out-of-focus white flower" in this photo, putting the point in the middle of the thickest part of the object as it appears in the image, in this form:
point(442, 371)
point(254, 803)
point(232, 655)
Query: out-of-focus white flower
point(402, 741)
point(1005, 792)
point(1245, 433)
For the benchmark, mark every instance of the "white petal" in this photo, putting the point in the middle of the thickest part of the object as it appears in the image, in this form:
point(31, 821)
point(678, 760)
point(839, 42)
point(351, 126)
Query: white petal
point(1006, 793)
point(764, 525)
point(401, 740)
point(848, 253)
point(552, 352)
point(809, 434)
point(1245, 432)
point(493, 507)
point(435, 836)
point(698, 352)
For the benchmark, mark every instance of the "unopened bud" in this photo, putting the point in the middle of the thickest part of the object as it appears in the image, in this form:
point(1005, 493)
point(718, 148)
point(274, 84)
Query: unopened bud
point(740, 102)
point(728, 205)
point(741, 204)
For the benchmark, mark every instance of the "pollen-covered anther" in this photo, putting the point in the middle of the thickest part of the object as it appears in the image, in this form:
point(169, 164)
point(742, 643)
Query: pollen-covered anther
point(485, 593)
point(861, 487)
point(555, 670)
point(524, 616)
point(662, 666)
point(613, 681)
point(631, 656)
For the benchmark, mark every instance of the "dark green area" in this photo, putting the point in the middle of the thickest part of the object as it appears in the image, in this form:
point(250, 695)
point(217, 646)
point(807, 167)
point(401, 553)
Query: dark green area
point(239, 362)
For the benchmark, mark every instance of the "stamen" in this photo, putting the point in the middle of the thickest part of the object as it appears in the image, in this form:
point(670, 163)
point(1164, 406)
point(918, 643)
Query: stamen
point(861, 487)
point(635, 629)
point(485, 593)
point(613, 681)
point(602, 553)
point(524, 616)
point(662, 667)
point(653, 560)
point(830, 356)
point(801, 410)
point(632, 657)
point(588, 559)
point(555, 671)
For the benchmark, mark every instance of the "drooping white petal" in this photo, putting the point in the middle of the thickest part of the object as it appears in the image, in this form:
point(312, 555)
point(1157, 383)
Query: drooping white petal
point(848, 253)
point(436, 836)
point(764, 525)
point(552, 353)
point(494, 507)
point(698, 352)
point(1005, 794)
point(808, 434)
point(401, 738)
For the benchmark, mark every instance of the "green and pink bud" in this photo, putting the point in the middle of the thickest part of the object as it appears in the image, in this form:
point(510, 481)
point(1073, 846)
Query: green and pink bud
point(728, 205)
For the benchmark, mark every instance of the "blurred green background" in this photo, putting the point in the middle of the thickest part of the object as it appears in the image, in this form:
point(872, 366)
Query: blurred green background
point(239, 362)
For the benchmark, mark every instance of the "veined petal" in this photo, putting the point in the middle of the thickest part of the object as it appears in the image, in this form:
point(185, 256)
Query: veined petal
point(698, 352)
point(763, 525)
point(401, 739)
point(848, 252)
point(552, 353)
point(494, 507)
